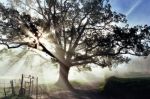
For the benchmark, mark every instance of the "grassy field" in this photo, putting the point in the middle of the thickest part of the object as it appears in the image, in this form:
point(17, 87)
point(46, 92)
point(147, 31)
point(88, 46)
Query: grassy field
point(114, 88)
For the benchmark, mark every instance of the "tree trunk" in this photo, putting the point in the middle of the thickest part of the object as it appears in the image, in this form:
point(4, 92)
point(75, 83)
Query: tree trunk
point(63, 81)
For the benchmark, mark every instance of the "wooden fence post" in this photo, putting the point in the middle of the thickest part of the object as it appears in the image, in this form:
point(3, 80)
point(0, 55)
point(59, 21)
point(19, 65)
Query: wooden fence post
point(12, 87)
point(37, 88)
point(30, 85)
point(22, 90)
point(5, 92)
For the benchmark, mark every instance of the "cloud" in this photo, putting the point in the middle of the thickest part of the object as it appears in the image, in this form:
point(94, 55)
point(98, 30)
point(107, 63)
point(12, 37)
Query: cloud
point(138, 2)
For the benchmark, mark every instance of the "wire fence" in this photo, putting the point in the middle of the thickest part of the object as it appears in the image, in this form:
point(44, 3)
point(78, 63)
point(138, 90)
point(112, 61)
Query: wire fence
point(26, 86)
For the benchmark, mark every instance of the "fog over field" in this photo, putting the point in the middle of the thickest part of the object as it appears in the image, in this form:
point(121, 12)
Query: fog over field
point(15, 62)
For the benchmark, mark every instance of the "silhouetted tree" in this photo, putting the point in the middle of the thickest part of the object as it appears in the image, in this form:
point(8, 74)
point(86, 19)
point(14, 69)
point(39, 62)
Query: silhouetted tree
point(74, 32)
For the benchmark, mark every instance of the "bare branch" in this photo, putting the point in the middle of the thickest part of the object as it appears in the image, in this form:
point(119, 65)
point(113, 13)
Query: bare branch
point(42, 12)
point(15, 44)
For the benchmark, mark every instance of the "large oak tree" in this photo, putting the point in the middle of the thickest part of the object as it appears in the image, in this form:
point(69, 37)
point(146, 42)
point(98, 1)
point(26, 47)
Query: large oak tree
point(73, 32)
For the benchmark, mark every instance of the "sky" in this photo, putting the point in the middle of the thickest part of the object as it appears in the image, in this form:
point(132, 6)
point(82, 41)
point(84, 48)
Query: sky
point(137, 11)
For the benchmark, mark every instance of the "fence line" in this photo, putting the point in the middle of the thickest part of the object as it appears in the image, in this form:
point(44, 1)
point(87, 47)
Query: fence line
point(27, 85)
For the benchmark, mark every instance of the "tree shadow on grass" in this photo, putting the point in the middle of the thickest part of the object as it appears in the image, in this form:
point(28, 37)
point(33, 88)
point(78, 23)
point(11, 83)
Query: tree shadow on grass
point(95, 94)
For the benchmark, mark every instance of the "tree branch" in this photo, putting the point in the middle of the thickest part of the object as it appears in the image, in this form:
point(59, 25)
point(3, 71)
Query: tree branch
point(79, 63)
point(17, 44)
point(38, 2)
